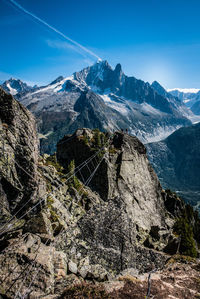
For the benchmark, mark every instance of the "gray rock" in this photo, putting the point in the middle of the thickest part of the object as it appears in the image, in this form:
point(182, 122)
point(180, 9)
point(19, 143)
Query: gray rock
point(72, 267)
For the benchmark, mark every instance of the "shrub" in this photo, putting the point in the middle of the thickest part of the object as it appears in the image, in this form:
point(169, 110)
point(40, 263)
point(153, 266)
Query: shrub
point(74, 181)
point(51, 160)
point(187, 244)
point(97, 139)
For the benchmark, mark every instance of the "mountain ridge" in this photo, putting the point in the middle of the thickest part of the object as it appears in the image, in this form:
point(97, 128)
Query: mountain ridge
point(131, 104)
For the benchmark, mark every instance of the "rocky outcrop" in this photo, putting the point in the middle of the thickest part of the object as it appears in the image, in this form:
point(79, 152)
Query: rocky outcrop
point(124, 173)
point(19, 148)
point(179, 279)
point(66, 232)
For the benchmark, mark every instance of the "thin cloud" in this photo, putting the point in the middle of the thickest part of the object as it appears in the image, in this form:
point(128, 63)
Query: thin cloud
point(64, 46)
point(59, 44)
point(55, 30)
point(68, 47)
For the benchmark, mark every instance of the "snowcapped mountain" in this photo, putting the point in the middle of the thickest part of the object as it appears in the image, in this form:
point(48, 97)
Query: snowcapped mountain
point(102, 97)
point(183, 90)
point(15, 86)
point(191, 98)
point(188, 96)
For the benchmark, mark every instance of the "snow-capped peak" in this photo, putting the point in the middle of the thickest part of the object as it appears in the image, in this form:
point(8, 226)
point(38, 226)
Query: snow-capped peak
point(185, 90)
point(14, 86)
point(55, 86)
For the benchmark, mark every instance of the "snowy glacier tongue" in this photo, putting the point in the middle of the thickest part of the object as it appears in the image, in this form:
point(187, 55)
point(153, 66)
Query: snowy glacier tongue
point(120, 107)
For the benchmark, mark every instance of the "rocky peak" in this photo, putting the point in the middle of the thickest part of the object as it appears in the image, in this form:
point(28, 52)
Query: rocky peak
point(158, 88)
point(118, 68)
point(60, 78)
point(94, 72)
point(162, 91)
point(101, 76)
point(15, 86)
point(125, 173)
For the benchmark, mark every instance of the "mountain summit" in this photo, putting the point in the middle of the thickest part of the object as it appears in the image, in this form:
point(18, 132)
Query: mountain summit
point(15, 86)
point(117, 102)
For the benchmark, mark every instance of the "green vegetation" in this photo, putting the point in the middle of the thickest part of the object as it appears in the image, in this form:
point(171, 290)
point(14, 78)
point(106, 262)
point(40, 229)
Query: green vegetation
point(51, 160)
point(54, 217)
point(178, 258)
point(71, 167)
point(184, 227)
point(74, 181)
point(99, 139)
point(85, 139)
point(112, 150)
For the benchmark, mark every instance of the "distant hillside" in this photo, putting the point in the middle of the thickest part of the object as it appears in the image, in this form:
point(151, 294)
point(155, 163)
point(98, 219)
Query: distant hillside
point(176, 161)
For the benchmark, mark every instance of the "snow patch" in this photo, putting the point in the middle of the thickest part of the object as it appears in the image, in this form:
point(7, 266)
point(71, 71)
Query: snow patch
point(148, 108)
point(44, 136)
point(11, 90)
point(159, 133)
point(194, 118)
point(54, 87)
point(120, 107)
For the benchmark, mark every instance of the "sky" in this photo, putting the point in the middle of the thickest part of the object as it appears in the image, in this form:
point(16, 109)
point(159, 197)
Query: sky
point(152, 39)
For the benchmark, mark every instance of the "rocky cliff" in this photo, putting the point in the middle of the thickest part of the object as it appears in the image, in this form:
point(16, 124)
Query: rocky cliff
point(65, 221)
point(19, 149)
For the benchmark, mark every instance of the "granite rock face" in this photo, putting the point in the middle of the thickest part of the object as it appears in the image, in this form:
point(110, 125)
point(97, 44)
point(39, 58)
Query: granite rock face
point(131, 204)
point(124, 173)
point(19, 148)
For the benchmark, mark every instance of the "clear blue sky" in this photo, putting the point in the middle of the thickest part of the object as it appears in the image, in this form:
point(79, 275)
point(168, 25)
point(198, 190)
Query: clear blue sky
point(152, 39)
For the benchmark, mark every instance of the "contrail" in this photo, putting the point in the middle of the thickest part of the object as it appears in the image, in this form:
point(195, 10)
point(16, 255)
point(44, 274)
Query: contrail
point(54, 29)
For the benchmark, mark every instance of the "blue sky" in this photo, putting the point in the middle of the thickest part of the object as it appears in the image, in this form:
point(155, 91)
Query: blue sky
point(152, 39)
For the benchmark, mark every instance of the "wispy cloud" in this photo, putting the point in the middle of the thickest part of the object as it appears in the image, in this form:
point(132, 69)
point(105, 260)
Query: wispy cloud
point(61, 45)
point(73, 42)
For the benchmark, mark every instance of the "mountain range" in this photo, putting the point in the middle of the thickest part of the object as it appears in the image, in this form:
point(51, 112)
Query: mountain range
point(191, 98)
point(105, 98)
point(16, 86)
